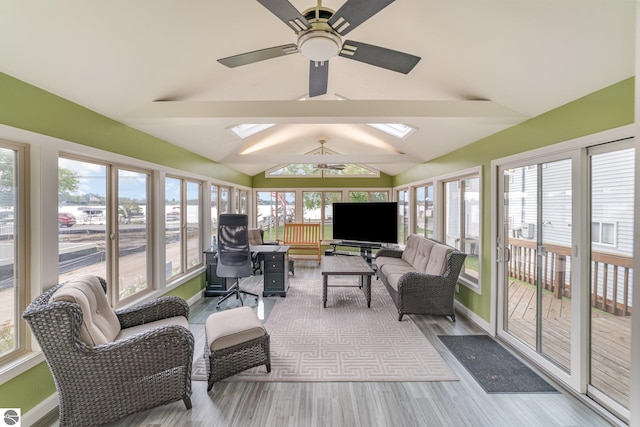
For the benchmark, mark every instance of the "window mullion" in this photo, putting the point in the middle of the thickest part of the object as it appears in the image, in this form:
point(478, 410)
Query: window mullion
point(112, 237)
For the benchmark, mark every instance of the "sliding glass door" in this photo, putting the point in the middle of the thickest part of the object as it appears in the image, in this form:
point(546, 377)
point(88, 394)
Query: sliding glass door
point(611, 173)
point(537, 230)
point(565, 276)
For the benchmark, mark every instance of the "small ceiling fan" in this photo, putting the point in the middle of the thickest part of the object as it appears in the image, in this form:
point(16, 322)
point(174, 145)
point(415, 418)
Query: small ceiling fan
point(320, 31)
point(330, 166)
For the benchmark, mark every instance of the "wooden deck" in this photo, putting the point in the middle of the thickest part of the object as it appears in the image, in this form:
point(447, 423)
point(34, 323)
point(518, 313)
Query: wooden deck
point(611, 337)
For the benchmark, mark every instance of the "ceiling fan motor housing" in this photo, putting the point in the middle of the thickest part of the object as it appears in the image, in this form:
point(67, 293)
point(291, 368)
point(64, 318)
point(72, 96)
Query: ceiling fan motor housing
point(321, 42)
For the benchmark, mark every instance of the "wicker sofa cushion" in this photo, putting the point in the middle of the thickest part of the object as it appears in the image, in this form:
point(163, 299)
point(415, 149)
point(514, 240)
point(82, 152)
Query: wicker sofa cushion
point(437, 264)
point(225, 329)
point(100, 324)
point(426, 256)
point(419, 255)
point(419, 252)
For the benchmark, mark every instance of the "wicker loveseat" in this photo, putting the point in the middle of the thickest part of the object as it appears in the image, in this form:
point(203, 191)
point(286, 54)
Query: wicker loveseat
point(422, 278)
point(107, 364)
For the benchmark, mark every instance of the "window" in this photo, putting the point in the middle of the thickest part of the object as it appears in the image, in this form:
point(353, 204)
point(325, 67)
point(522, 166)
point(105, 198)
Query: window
point(247, 129)
point(325, 167)
point(403, 215)
point(368, 196)
point(214, 215)
point(224, 205)
point(462, 222)
point(173, 219)
point(240, 201)
point(13, 282)
point(244, 200)
point(236, 200)
point(194, 247)
point(183, 245)
point(399, 130)
point(604, 233)
point(90, 210)
point(312, 170)
point(274, 208)
point(424, 210)
point(82, 218)
point(318, 208)
point(134, 233)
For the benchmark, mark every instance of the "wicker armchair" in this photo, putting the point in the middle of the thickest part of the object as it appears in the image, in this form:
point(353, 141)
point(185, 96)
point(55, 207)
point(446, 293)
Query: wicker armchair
point(416, 292)
point(144, 367)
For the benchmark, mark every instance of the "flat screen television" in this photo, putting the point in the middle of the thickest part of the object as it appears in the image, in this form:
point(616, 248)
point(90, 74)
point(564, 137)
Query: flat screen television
point(375, 222)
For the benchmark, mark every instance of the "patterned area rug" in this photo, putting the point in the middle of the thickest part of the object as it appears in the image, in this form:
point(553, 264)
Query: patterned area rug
point(345, 341)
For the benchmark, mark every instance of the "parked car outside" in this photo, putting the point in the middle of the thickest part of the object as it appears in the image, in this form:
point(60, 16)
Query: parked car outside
point(66, 219)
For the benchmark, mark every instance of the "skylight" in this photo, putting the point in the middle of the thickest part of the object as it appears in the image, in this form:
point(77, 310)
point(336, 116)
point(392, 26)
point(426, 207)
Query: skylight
point(398, 130)
point(246, 130)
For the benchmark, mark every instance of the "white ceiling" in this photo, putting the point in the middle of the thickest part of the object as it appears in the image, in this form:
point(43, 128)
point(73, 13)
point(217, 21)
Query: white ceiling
point(486, 65)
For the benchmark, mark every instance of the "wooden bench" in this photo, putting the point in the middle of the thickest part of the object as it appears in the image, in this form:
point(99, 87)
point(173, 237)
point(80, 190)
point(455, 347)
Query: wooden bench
point(302, 236)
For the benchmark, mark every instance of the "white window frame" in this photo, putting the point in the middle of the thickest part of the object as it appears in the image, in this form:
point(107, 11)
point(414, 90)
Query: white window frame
point(184, 267)
point(22, 344)
point(470, 282)
point(112, 170)
point(438, 213)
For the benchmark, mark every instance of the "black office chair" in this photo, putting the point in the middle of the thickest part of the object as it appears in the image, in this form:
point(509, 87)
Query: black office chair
point(234, 253)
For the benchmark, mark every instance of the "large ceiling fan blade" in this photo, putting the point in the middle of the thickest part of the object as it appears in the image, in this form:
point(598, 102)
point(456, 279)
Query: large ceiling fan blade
point(318, 78)
point(354, 13)
point(379, 56)
point(287, 14)
point(258, 55)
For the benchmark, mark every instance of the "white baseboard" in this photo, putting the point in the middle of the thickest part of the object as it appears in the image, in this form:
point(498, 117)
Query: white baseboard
point(197, 297)
point(41, 410)
point(474, 317)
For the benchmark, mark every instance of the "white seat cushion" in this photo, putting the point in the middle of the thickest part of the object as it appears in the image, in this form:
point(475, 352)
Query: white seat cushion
point(177, 320)
point(100, 324)
point(227, 328)
point(437, 264)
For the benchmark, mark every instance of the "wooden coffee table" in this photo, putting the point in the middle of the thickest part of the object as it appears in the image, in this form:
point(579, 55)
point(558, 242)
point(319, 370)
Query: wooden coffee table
point(346, 266)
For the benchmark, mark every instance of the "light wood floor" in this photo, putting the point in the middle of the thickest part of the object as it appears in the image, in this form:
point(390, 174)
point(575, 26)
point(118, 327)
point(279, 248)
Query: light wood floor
point(397, 404)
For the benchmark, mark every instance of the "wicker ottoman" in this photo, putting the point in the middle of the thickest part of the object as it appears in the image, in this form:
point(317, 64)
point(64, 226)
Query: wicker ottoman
point(235, 341)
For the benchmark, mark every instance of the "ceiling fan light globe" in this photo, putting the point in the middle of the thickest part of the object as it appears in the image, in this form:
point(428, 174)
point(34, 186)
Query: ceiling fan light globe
point(319, 46)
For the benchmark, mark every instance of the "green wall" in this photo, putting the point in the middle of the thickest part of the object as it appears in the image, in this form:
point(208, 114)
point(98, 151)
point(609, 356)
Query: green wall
point(28, 107)
point(189, 289)
point(28, 389)
point(605, 109)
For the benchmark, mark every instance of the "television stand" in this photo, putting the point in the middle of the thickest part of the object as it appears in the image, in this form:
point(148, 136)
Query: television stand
point(366, 249)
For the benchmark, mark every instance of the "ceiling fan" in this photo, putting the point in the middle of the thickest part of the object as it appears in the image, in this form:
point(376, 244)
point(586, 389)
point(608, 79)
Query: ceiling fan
point(320, 31)
point(329, 166)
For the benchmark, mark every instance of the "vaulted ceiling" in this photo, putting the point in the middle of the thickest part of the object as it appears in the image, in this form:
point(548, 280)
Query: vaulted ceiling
point(152, 64)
